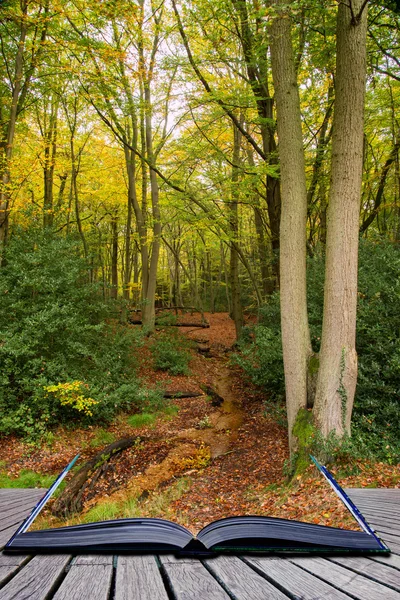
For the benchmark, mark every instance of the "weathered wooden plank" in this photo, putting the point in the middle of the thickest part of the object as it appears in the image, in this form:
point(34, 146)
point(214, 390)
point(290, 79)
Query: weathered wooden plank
point(369, 568)
point(10, 565)
point(93, 559)
point(88, 577)
point(242, 580)
point(12, 559)
point(393, 560)
point(386, 506)
point(296, 582)
point(357, 586)
point(37, 579)
point(139, 578)
point(385, 525)
point(370, 492)
point(171, 558)
point(16, 492)
point(388, 537)
point(374, 509)
point(9, 517)
point(15, 500)
point(193, 582)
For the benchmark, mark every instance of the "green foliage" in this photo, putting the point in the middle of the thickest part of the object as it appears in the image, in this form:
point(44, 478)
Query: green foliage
point(262, 358)
point(376, 417)
point(375, 425)
point(64, 360)
point(170, 352)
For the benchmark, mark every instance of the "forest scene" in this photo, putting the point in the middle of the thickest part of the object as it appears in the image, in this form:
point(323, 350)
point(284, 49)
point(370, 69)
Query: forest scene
point(199, 255)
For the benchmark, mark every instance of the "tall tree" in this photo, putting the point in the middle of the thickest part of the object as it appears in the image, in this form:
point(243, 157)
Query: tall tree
point(24, 29)
point(294, 318)
point(337, 374)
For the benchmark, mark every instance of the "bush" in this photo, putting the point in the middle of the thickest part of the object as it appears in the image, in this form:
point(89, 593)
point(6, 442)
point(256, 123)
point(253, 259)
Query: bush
point(376, 425)
point(63, 358)
point(170, 352)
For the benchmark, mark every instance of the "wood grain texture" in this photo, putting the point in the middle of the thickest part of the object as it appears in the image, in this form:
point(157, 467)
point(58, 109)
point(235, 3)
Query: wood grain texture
point(139, 578)
point(356, 585)
point(373, 570)
point(193, 582)
point(297, 582)
point(241, 580)
point(89, 577)
point(9, 565)
point(393, 560)
point(37, 579)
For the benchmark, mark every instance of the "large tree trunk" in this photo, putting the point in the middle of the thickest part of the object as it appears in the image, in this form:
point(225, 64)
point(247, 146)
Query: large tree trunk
point(338, 358)
point(295, 332)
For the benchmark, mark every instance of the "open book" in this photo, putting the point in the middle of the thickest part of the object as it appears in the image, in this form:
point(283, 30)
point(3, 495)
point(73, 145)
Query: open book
point(233, 534)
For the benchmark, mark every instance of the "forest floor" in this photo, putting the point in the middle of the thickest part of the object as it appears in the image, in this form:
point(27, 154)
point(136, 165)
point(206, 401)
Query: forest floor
point(199, 461)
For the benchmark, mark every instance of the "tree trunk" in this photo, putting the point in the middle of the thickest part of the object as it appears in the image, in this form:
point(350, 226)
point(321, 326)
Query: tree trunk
point(50, 151)
point(114, 257)
point(150, 294)
point(8, 138)
point(237, 311)
point(295, 332)
point(337, 374)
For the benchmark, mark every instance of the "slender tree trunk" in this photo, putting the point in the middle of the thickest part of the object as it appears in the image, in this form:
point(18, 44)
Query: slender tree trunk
point(337, 374)
point(114, 256)
point(50, 151)
point(8, 139)
point(75, 164)
point(149, 305)
point(295, 332)
point(237, 311)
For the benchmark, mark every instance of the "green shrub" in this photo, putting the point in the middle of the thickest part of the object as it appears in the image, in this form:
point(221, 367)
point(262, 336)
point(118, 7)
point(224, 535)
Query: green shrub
point(170, 352)
point(56, 332)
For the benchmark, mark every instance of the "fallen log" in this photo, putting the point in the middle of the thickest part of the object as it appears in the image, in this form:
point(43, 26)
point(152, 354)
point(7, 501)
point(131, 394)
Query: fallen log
point(70, 500)
point(182, 394)
point(191, 324)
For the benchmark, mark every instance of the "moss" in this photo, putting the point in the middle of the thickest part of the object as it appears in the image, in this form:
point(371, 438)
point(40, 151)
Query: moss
point(304, 431)
point(313, 365)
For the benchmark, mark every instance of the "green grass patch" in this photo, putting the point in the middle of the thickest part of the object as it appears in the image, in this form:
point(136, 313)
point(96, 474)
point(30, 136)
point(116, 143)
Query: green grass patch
point(103, 512)
point(26, 479)
point(170, 410)
point(102, 437)
point(142, 419)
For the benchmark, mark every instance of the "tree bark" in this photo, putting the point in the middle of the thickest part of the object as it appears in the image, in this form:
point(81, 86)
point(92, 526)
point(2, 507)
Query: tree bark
point(294, 320)
point(237, 311)
point(337, 374)
point(114, 256)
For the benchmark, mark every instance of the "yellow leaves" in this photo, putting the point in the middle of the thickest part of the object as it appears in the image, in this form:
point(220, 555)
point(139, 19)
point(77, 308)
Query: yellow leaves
point(73, 394)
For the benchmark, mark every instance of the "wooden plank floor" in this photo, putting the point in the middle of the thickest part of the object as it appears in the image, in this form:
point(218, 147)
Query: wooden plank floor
point(63, 577)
